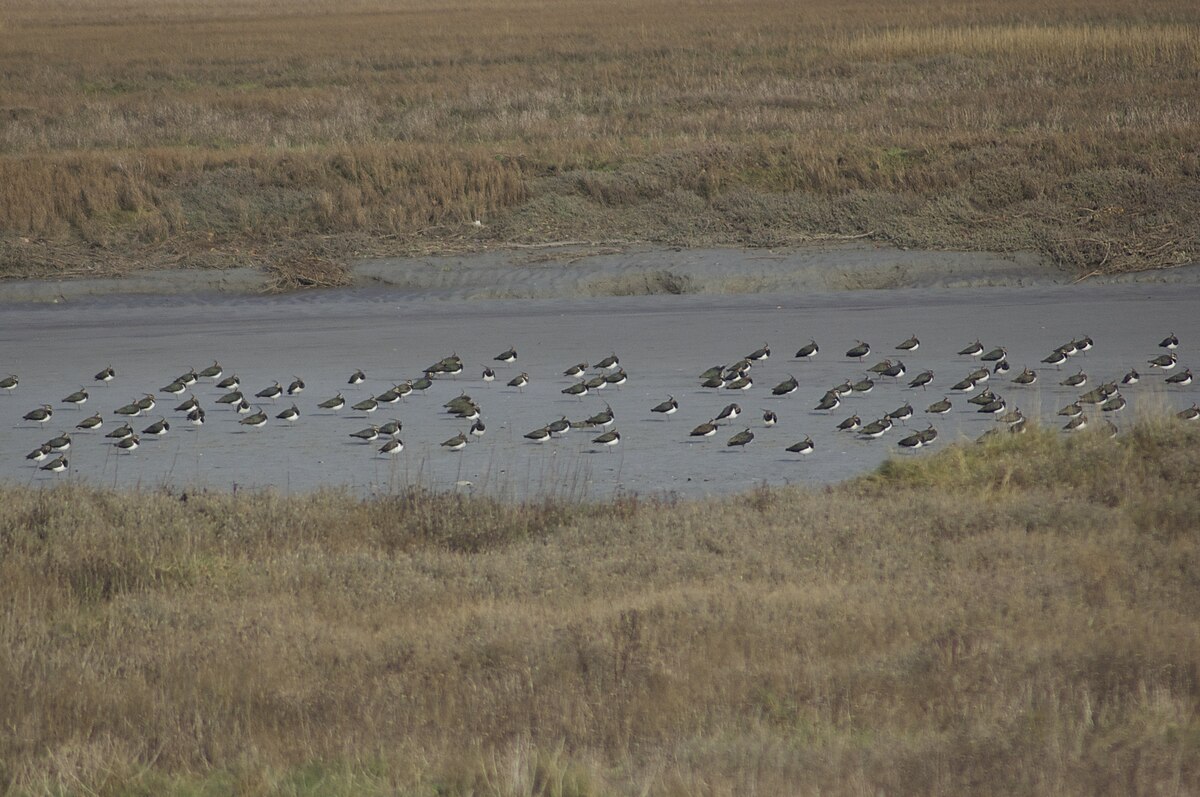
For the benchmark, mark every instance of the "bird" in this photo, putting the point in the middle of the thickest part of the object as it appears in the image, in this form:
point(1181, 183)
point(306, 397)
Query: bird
point(731, 412)
point(760, 354)
point(741, 439)
point(706, 429)
point(912, 344)
point(963, 386)
point(876, 428)
point(392, 427)
point(121, 432)
point(851, 424)
point(1165, 361)
point(230, 383)
point(357, 378)
point(256, 420)
point(994, 407)
point(366, 405)
point(404, 388)
point(616, 378)
point(843, 389)
point(507, 357)
point(107, 375)
point(602, 419)
point(559, 428)
point(599, 381)
point(453, 368)
point(609, 363)
point(808, 351)
point(1114, 404)
point(56, 465)
point(273, 392)
point(1184, 377)
point(368, 435)
point(196, 417)
point(1026, 377)
point(769, 418)
point(519, 381)
point(188, 378)
point(1131, 378)
point(78, 397)
point(393, 446)
point(577, 370)
point(174, 388)
point(94, 422)
point(859, 350)
point(1012, 416)
point(668, 407)
point(213, 371)
point(579, 390)
point(40, 453)
point(1075, 380)
point(921, 380)
point(608, 439)
point(1189, 414)
point(1084, 344)
point(829, 401)
point(940, 407)
point(1072, 410)
point(901, 413)
point(128, 444)
point(974, 350)
point(242, 407)
point(389, 396)
point(983, 399)
point(60, 443)
point(713, 382)
point(40, 415)
point(146, 402)
point(478, 429)
point(995, 355)
point(1070, 348)
point(787, 386)
point(291, 414)
point(297, 386)
point(1169, 342)
point(232, 397)
point(1076, 424)
point(9, 382)
point(1001, 367)
point(488, 374)
point(1056, 357)
point(864, 385)
point(540, 435)
point(914, 440)
point(741, 383)
point(880, 367)
point(895, 371)
point(158, 428)
point(979, 375)
point(456, 443)
point(804, 447)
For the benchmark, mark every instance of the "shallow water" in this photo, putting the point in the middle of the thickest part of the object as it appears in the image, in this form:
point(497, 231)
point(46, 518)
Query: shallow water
point(663, 341)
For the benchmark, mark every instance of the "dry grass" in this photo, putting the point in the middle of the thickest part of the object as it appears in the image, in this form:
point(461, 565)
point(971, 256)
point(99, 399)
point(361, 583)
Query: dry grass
point(1017, 618)
point(221, 132)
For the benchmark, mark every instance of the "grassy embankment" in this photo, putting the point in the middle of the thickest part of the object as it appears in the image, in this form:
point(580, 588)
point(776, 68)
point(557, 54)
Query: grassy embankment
point(1021, 617)
point(292, 136)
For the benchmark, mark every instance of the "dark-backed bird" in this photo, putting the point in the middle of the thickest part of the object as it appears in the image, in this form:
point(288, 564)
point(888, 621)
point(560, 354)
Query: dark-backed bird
point(940, 407)
point(158, 428)
point(1084, 344)
point(232, 397)
point(1114, 404)
point(357, 378)
point(56, 465)
point(196, 417)
point(707, 429)
point(741, 439)
point(538, 435)
point(876, 429)
point(993, 407)
point(914, 440)
point(389, 396)
point(291, 414)
point(40, 453)
point(127, 444)
point(273, 392)
point(895, 371)
point(509, 356)
point(730, 412)
point(963, 386)
point(230, 383)
point(1131, 378)
point(188, 377)
point(880, 367)
point(981, 399)
point(121, 432)
point(296, 386)
point(1184, 377)
point(912, 344)
point(604, 418)
point(147, 402)
point(60, 443)
point(559, 428)
point(242, 407)
point(901, 413)
point(1075, 380)
point(213, 371)
point(173, 389)
point(1189, 414)
point(598, 382)
point(393, 446)
point(1026, 377)
point(859, 350)
point(921, 380)
point(478, 429)
point(609, 363)
point(769, 418)
point(366, 405)
point(40, 415)
point(78, 397)
point(1012, 416)
point(608, 439)
point(257, 419)
point(368, 435)
point(335, 403)
point(979, 376)
point(1072, 410)
point(808, 351)
point(668, 407)
point(519, 381)
point(741, 383)
point(1169, 342)
point(577, 370)
point(1055, 358)
point(864, 385)
point(843, 389)
point(851, 424)
point(974, 350)
point(94, 422)
point(1001, 367)
point(829, 401)
point(616, 378)
point(579, 390)
point(789, 385)
point(804, 447)
point(9, 382)
point(107, 375)
point(995, 355)
point(1076, 424)
point(488, 374)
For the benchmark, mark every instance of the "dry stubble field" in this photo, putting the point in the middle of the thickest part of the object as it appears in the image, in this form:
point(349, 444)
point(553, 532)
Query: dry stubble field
point(295, 135)
point(1015, 618)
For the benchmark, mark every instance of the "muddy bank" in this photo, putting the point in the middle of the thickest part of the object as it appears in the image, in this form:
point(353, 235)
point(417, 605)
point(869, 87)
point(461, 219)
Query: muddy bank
point(582, 271)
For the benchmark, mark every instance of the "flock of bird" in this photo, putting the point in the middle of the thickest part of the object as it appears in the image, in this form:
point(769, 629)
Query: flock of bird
point(989, 366)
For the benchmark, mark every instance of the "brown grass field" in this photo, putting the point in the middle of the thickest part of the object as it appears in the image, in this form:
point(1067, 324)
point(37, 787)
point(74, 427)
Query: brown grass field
point(1015, 618)
point(296, 135)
